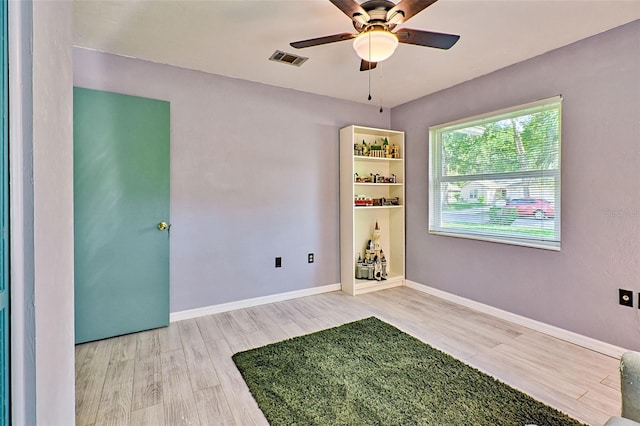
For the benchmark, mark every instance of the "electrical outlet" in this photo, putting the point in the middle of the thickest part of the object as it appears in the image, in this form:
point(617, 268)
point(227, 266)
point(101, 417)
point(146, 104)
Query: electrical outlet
point(625, 297)
point(310, 258)
point(278, 262)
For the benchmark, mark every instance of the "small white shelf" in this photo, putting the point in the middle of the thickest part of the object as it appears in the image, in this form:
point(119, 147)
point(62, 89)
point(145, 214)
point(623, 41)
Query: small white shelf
point(376, 184)
point(367, 158)
point(376, 207)
point(392, 277)
point(357, 222)
point(367, 286)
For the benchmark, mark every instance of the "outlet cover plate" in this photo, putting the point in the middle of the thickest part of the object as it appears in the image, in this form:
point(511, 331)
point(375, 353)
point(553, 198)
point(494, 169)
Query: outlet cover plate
point(625, 297)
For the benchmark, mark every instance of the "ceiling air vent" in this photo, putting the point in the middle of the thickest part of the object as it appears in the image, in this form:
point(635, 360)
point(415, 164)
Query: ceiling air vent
point(287, 58)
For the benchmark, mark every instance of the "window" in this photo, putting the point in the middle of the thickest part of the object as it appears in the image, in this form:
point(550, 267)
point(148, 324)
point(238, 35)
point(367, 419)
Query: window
point(496, 177)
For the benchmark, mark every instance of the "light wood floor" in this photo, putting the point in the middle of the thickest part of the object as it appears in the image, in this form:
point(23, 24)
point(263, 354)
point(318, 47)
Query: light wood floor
point(184, 375)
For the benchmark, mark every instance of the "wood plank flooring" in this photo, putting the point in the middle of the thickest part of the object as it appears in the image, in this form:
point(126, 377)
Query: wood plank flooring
point(184, 375)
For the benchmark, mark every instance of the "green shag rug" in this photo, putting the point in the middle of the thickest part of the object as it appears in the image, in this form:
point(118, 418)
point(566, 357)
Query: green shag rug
point(370, 373)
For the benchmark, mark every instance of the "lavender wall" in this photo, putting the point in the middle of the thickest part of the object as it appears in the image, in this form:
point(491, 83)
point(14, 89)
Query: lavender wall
point(52, 144)
point(576, 288)
point(254, 175)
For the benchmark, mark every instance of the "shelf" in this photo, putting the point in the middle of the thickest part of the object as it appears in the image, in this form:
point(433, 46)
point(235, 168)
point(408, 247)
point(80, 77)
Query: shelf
point(358, 222)
point(377, 184)
point(376, 207)
point(392, 277)
point(367, 158)
point(367, 286)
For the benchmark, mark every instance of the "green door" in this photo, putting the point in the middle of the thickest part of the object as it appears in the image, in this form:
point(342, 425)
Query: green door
point(4, 224)
point(121, 195)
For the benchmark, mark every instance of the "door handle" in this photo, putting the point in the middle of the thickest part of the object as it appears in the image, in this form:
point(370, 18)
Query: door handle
point(162, 226)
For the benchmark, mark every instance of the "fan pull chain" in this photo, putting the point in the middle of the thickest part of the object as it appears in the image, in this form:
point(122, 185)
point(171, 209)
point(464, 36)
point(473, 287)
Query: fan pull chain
point(380, 75)
point(369, 64)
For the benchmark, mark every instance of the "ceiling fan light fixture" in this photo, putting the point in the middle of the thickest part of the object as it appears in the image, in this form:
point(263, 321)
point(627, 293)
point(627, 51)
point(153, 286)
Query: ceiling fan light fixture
point(375, 45)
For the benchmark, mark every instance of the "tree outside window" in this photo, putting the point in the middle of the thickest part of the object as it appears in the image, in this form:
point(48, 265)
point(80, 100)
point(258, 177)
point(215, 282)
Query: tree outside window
point(511, 161)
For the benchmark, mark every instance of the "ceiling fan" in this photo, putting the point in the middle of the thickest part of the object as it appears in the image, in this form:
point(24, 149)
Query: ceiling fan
point(375, 22)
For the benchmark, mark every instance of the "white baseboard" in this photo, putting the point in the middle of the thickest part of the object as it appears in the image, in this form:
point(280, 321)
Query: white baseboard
point(560, 333)
point(247, 303)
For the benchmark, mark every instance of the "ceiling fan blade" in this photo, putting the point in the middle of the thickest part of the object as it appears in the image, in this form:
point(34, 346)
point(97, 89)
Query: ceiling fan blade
point(366, 65)
point(322, 40)
point(409, 8)
point(427, 38)
point(352, 9)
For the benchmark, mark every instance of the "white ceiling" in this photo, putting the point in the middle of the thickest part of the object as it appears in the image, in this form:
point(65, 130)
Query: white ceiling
point(236, 38)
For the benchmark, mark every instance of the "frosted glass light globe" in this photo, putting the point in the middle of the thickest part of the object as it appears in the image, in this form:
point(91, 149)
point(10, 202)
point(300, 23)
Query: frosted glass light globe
point(383, 44)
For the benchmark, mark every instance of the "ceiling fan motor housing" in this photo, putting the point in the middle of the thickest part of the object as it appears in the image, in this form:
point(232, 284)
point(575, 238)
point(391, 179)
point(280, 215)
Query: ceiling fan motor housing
point(378, 19)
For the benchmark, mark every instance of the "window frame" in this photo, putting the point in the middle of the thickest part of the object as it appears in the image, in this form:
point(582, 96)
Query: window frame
point(436, 178)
